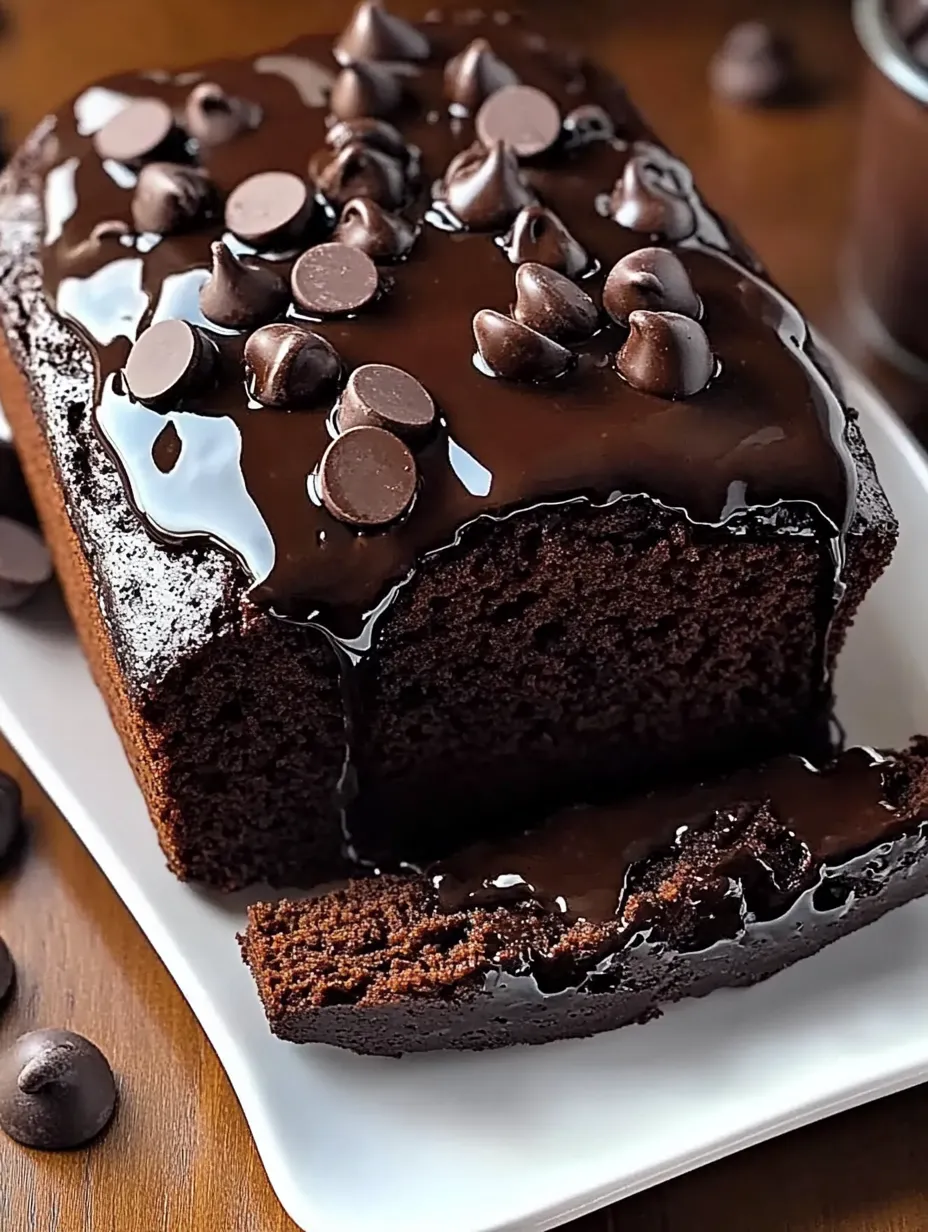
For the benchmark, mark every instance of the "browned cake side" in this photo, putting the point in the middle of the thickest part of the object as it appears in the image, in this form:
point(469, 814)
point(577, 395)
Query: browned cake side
point(539, 657)
point(392, 965)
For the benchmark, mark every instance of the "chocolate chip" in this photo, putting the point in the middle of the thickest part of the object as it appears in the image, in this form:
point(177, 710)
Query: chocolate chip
point(366, 225)
point(24, 564)
point(549, 302)
point(171, 197)
point(214, 116)
point(333, 279)
point(587, 123)
point(474, 73)
point(516, 352)
point(7, 971)
point(272, 209)
point(367, 477)
point(484, 188)
point(654, 279)
point(641, 204)
point(753, 66)
point(381, 396)
point(374, 34)
point(377, 134)
point(56, 1090)
point(538, 235)
point(137, 132)
point(287, 365)
point(526, 119)
point(15, 501)
point(238, 295)
point(358, 170)
point(168, 362)
point(11, 814)
point(364, 90)
point(666, 354)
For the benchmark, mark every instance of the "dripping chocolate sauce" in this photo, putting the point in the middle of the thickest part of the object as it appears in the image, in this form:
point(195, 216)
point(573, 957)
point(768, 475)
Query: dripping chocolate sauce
point(761, 450)
point(583, 863)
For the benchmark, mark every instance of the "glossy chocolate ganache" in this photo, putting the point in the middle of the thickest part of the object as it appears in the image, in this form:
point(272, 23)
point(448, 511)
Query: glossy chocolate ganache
point(344, 299)
point(578, 864)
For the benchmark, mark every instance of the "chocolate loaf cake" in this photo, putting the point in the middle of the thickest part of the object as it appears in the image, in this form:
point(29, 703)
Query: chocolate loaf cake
point(603, 915)
point(416, 446)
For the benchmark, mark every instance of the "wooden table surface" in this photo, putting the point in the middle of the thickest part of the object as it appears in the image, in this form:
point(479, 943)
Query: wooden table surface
point(179, 1157)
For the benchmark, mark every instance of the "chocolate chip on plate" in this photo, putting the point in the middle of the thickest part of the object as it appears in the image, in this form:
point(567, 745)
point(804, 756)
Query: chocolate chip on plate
point(333, 279)
point(484, 189)
point(539, 235)
point(7, 971)
point(137, 132)
point(270, 210)
point(238, 295)
point(374, 34)
point(25, 565)
point(15, 501)
point(666, 354)
point(382, 396)
point(474, 73)
point(359, 170)
point(366, 225)
point(654, 279)
point(526, 119)
point(11, 814)
point(367, 477)
point(377, 134)
point(640, 203)
point(288, 365)
point(171, 197)
point(57, 1090)
point(549, 302)
point(754, 66)
point(514, 351)
point(214, 116)
point(365, 90)
point(168, 362)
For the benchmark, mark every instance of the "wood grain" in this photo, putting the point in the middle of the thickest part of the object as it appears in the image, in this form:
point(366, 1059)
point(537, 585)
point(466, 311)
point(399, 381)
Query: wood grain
point(179, 1158)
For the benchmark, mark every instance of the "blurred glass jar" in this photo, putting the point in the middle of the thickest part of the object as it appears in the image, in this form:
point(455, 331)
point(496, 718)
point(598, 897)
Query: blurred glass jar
point(889, 255)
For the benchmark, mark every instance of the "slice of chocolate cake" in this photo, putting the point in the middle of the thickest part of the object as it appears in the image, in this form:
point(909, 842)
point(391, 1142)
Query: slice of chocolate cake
point(602, 916)
point(416, 446)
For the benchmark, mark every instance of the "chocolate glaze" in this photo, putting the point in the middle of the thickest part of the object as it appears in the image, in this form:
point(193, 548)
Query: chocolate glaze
point(769, 429)
point(578, 864)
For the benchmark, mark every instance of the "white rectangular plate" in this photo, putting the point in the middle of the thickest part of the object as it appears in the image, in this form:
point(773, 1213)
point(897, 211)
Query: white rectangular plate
point(524, 1138)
